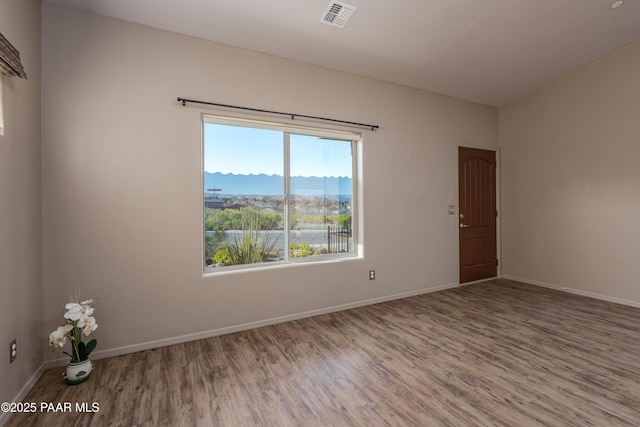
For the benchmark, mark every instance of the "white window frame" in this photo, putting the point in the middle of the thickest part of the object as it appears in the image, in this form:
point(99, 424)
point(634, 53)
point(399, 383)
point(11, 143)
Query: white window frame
point(356, 140)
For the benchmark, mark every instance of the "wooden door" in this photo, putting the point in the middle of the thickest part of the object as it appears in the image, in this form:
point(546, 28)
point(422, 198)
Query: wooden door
point(477, 214)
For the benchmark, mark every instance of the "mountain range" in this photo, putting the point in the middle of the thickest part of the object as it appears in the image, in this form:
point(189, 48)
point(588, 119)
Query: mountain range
point(272, 185)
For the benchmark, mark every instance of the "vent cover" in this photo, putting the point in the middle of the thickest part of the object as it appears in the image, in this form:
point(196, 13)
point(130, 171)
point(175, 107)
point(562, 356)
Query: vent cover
point(338, 14)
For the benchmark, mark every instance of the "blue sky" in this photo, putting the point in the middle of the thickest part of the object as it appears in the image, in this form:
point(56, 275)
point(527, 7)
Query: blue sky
point(241, 150)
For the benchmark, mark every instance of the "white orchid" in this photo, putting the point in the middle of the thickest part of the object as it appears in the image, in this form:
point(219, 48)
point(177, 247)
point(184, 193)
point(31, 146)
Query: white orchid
point(74, 312)
point(88, 325)
point(58, 338)
point(79, 319)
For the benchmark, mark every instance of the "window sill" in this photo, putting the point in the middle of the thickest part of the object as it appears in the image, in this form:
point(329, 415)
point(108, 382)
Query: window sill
point(251, 268)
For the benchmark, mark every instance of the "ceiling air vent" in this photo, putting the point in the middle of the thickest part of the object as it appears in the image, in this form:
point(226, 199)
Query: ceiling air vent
point(338, 14)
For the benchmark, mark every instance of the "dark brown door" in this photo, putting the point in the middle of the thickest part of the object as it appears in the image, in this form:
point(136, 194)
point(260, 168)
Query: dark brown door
point(477, 214)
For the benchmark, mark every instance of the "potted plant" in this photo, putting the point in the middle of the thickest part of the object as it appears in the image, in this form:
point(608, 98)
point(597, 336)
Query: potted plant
point(79, 324)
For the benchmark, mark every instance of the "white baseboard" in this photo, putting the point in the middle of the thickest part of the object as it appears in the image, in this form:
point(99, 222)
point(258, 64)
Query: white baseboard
point(478, 281)
point(574, 291)
point(245, 326)
point(4, 416)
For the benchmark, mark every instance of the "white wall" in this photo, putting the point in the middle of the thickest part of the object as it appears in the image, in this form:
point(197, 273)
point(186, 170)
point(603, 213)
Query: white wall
point(122, 192)
point(571, 181)
point(20, 203)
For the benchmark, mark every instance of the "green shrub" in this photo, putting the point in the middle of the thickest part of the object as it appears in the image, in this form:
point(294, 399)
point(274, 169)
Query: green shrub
point(222, 256)
point(250, 247)
point(344, 220)
point(299, 251)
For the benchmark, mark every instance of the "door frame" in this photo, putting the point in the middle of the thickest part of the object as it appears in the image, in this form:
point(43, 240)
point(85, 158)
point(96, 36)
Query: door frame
point(456, 218)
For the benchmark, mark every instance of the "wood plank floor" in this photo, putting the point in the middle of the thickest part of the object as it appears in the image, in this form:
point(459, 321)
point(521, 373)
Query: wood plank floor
point(490, 354)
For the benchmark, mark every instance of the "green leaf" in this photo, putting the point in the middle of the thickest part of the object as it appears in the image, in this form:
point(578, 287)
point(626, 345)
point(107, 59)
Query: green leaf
point(81, 352)
point(91, 345)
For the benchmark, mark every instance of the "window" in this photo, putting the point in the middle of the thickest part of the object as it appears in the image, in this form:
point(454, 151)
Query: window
point(276, 194)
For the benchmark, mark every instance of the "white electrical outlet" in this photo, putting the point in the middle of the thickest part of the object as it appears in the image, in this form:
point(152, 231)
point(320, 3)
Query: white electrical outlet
point(372, 275)
point(13, 350)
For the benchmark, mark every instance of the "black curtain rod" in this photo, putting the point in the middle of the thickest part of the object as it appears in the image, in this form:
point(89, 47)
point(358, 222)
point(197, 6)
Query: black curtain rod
point(292, 115)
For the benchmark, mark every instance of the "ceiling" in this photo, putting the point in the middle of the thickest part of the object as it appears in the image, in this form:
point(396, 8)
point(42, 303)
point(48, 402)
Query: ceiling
point(485, 51)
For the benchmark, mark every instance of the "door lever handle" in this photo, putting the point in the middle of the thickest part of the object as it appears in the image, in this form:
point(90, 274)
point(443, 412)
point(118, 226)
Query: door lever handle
point(464, 225)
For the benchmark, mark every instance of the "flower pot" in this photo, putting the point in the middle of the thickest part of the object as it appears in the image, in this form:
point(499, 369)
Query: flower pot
point(78, 372)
